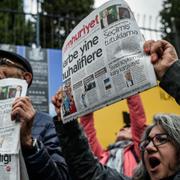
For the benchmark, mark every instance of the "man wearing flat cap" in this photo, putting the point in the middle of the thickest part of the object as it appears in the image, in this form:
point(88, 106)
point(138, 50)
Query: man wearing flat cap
point(39, 143)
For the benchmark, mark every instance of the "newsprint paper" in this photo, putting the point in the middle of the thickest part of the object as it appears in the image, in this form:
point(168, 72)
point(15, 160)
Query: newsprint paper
point(103, 61)
point(10, 158)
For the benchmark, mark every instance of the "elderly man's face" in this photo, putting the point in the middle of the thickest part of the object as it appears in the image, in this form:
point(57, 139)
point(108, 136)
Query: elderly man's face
point(10, 72)
point(10, 69)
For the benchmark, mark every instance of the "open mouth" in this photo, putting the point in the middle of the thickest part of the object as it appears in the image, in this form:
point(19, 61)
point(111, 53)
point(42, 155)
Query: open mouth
point(154, 162)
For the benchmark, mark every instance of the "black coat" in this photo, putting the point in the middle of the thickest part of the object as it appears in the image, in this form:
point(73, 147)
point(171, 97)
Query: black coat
point(170, 82)
point(48, 163)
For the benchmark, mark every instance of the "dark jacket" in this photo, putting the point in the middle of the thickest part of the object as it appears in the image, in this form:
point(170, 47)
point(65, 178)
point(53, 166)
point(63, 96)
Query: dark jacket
point(82, 163)
point(48, 163)
point(170, 82)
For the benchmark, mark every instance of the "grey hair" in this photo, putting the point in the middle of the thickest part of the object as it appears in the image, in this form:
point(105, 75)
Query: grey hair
point(170, 123)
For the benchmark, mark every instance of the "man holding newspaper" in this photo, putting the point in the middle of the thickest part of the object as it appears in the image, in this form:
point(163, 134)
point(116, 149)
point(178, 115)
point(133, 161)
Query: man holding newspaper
point(39, 143)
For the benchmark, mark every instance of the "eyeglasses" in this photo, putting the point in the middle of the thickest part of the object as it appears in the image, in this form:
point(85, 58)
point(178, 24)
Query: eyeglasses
point(5, 61)
point(157, 140)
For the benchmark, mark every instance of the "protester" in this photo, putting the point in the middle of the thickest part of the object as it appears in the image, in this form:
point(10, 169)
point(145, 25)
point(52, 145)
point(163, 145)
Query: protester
point(160, 146)
point(160, 149)
point(39, 142)
point(124, 154)
point(160, 152)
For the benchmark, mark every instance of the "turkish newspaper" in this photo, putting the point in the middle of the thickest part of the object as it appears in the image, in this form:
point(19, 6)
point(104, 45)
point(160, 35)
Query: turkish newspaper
point(103, 61)
point(12, 165)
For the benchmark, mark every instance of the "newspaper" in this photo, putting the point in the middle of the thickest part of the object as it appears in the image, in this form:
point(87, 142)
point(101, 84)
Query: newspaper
point(103, 61)
point(10, 130)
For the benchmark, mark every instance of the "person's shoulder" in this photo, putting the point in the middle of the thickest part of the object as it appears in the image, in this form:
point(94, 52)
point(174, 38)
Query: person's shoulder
point(43, 127)
point(42, 117)
point(43, 114)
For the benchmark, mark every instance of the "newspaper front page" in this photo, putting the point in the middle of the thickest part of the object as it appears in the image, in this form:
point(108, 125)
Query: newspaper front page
point(103, 61)
point(10, 130)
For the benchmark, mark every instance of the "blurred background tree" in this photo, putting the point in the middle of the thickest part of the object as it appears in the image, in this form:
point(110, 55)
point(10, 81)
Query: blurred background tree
point(54, 20)
point(59, 17)
point(170, 20)
point(14, 27)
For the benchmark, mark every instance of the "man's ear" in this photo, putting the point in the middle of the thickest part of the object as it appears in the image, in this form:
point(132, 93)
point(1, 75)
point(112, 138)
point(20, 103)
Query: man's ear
point(28, 77)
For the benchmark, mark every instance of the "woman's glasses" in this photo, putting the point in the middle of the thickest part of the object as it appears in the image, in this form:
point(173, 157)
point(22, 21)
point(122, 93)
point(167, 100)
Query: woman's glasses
point(157, 140)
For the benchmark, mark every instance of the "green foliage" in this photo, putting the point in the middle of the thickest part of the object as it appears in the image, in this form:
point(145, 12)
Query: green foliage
point(11, 5)
point(14, 28)
point(170, 20)
point(70, 7)
point(68, 13)
point(57, 19)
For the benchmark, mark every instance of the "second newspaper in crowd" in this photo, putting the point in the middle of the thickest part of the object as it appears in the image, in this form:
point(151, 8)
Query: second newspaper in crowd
point(12, 166)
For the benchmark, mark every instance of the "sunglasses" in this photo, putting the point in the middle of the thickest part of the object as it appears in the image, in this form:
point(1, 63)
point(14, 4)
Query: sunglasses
point(5, 61)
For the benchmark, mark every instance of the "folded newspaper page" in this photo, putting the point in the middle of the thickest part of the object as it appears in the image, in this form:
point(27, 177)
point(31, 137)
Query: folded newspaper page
point(10, 168)
point(103, 61)
point(10, 130)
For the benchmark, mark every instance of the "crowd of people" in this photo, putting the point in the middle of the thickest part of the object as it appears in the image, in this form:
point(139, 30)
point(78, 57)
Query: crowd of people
point(56, 151)
point(124, 154)
point(159, 146)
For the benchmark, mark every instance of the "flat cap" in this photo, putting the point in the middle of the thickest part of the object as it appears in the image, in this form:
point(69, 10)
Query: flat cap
point(17, 59)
